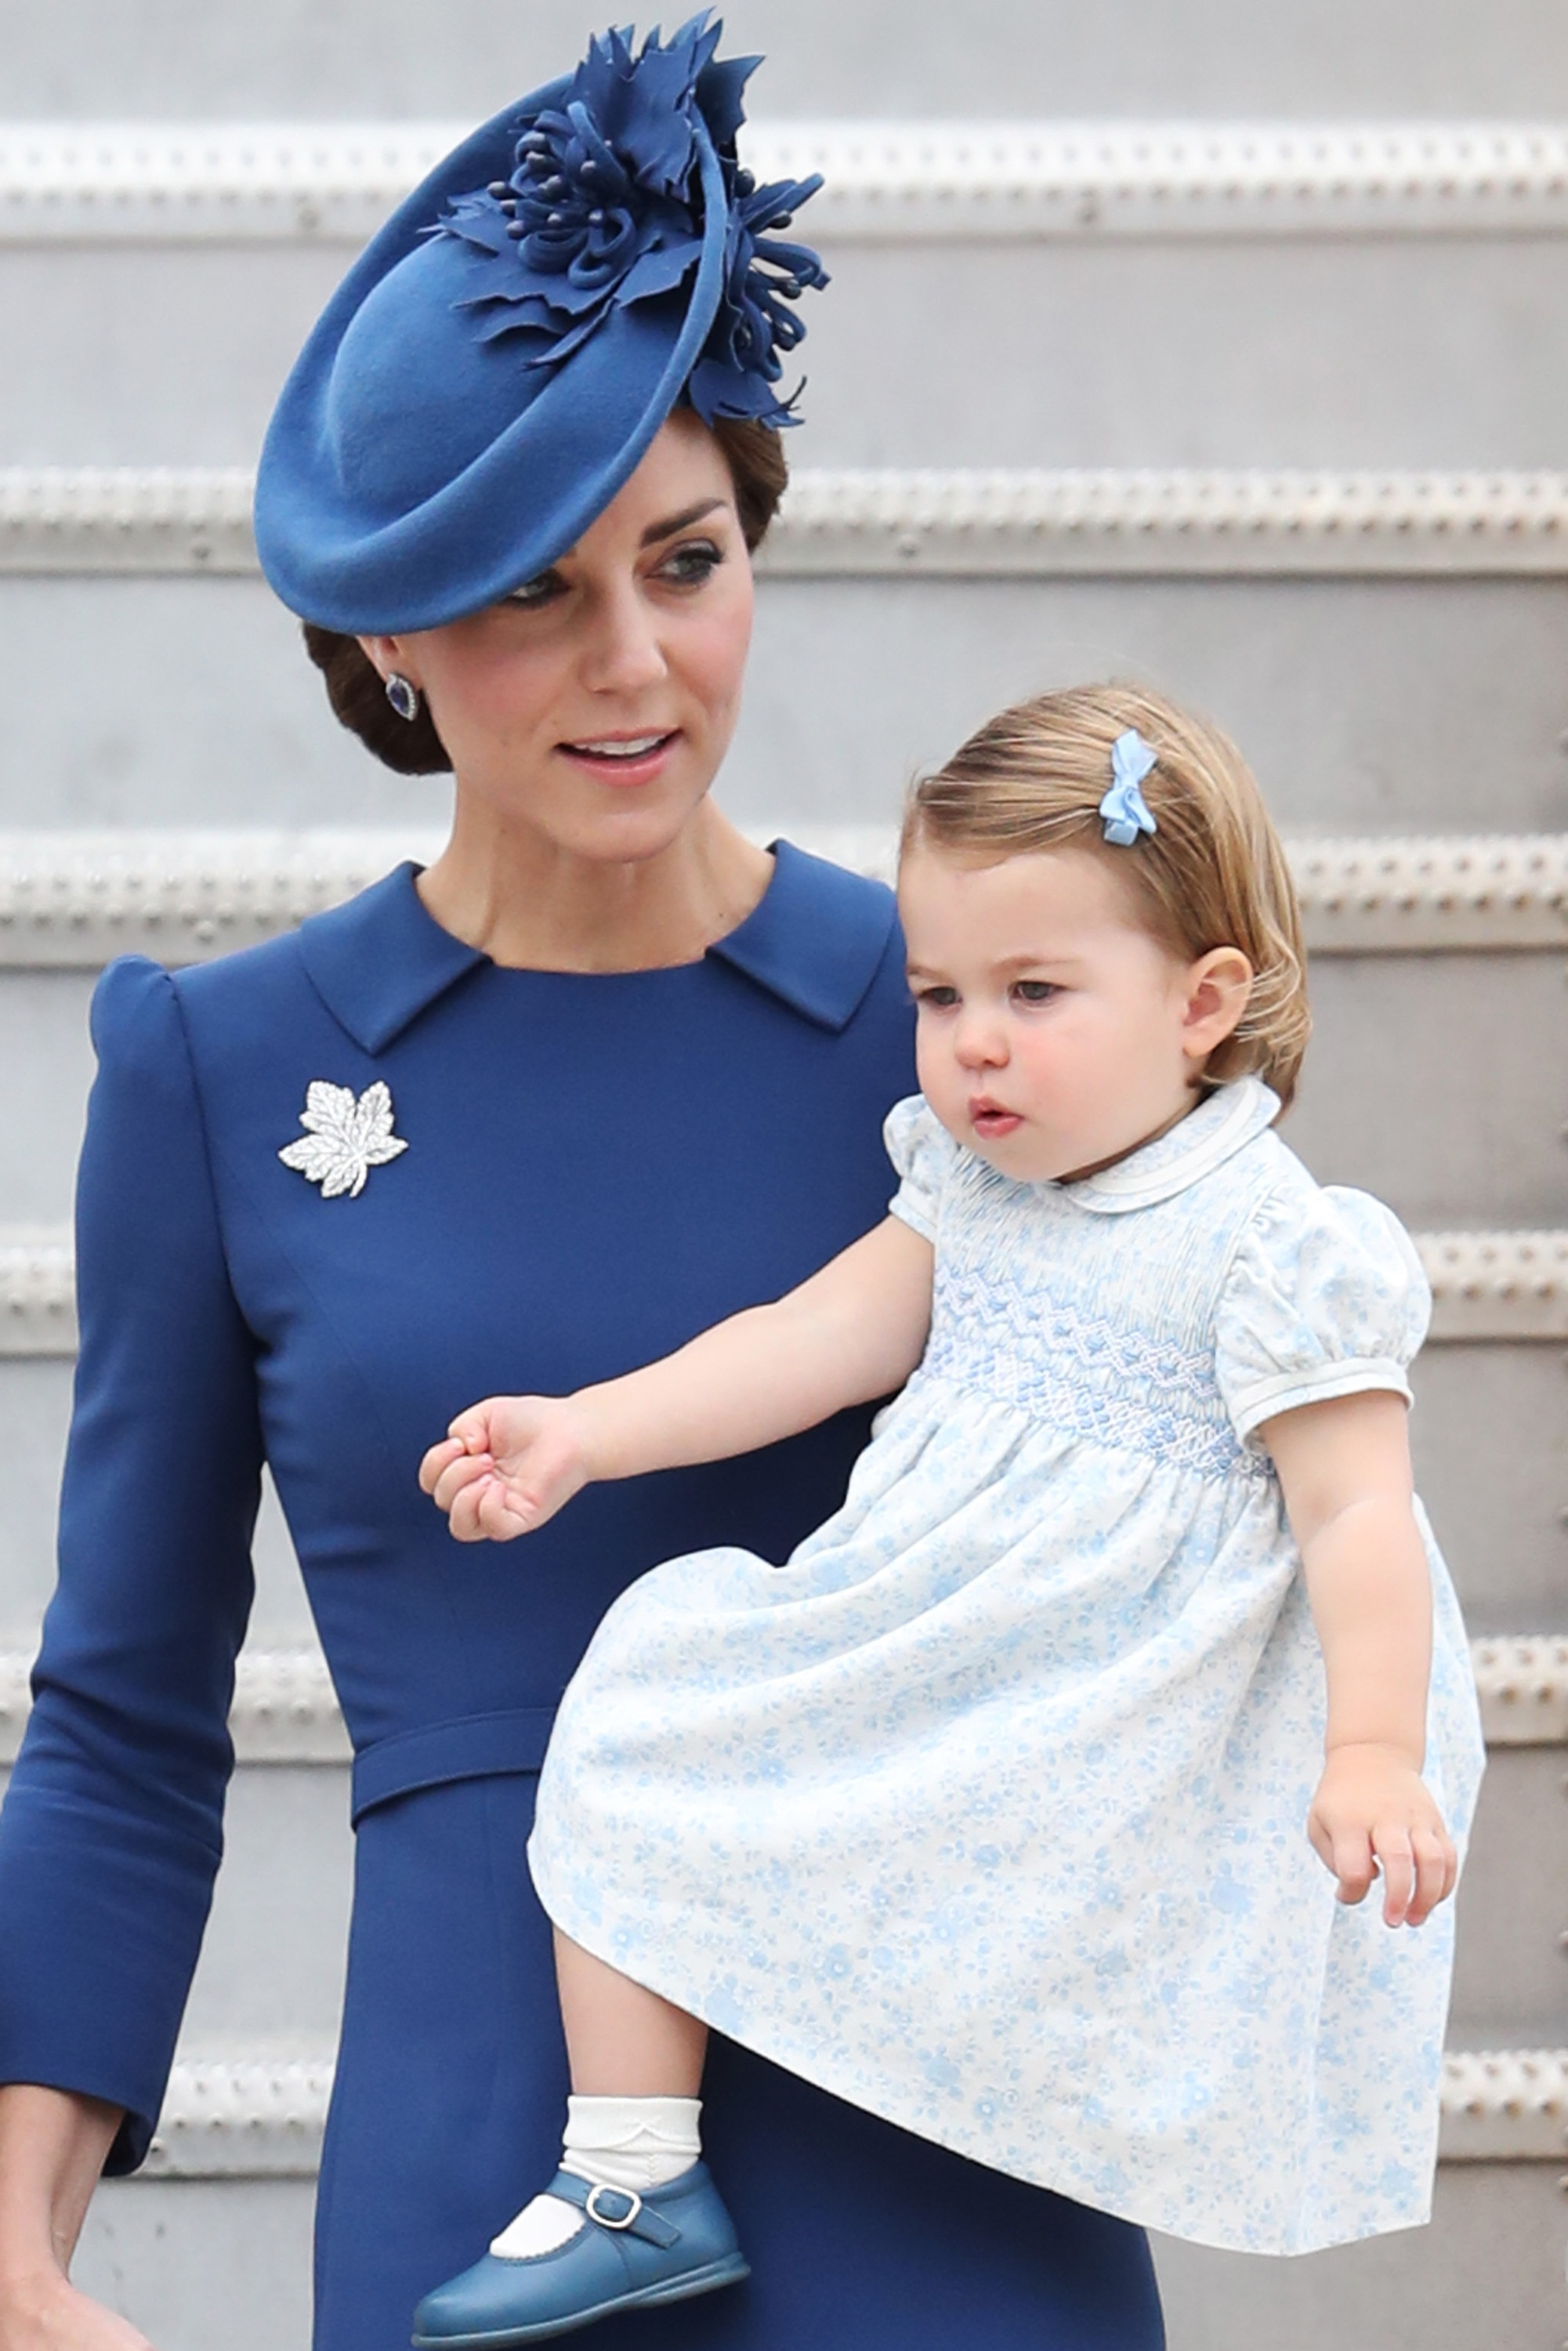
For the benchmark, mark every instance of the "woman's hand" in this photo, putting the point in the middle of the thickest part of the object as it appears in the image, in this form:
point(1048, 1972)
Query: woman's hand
point(46, 2312)
point(53, 2146)
point(506, 1466)
point(1373, 1812)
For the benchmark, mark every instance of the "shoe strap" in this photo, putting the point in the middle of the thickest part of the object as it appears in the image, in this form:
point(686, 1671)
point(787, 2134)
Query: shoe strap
point(619, 2210)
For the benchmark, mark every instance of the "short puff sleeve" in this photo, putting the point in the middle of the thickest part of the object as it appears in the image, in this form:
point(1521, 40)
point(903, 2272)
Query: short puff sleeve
point(1325, 1298)
point(923, 1153)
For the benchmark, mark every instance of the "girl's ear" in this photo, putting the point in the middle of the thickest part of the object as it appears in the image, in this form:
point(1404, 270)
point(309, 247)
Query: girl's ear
point(1218, 987)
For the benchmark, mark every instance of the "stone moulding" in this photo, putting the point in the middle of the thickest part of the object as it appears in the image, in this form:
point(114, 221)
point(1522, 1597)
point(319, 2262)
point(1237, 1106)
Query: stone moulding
point(286, 1712)
point(72, 899)
point(935, 523)
point(263, 2117)
point(901, 181)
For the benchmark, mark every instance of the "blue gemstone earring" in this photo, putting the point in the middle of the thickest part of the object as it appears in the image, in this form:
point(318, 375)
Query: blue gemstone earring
point(404, 695)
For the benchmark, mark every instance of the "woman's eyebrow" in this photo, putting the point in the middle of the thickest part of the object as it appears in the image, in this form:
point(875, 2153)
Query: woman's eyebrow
point(682, 521)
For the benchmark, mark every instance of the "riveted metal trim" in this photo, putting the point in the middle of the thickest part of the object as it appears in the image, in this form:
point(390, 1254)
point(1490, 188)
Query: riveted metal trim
point(285, 1710)
point(263, 2117)
point(1523, 1686)
point(1505, 2105)
point(72, 899)
point(909, 182)
point(952, 523)
point(246, 2118)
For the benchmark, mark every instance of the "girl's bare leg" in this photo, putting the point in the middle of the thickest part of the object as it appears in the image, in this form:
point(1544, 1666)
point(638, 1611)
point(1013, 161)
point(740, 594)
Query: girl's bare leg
point(624, 2042)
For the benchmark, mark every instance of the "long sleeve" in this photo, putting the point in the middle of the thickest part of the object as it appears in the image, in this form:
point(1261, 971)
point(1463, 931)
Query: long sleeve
point(111, 1830)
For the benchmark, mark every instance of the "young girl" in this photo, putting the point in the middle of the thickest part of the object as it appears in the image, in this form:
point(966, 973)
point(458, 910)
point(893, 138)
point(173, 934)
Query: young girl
point(987, 1812)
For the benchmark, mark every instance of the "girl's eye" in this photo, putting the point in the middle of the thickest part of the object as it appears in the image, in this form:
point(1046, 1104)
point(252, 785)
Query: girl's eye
point(691, 565)
point(940, 999)
point(1035, 991)
point(544, 590)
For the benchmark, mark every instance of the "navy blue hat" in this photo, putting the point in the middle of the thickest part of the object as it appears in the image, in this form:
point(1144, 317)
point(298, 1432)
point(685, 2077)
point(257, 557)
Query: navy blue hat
point(493, 369)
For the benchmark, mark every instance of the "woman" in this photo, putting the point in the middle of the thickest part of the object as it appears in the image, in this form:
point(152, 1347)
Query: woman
point(600, 1076)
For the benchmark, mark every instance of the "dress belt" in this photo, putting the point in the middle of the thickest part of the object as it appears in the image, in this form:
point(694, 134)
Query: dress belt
point(473, 1747)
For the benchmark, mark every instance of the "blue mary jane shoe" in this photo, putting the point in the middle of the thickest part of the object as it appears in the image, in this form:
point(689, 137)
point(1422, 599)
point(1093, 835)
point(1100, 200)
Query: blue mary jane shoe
point(675, 2242)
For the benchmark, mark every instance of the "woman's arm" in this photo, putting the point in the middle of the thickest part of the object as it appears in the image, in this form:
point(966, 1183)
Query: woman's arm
point(1344, 1467)
point(853, 1332)
point(53, 2146)
point(110, 1830)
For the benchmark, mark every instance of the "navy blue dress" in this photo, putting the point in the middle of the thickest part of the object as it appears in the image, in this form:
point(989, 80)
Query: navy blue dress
point(596, 1166)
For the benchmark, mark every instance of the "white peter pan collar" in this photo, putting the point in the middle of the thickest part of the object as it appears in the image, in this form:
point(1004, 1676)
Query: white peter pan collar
point(1206, 1138)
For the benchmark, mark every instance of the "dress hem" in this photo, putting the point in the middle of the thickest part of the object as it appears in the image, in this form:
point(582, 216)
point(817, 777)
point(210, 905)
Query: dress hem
point(1140, 2212)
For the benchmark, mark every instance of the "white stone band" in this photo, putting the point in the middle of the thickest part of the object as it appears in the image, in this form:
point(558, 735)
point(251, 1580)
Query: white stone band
point(286, 1712)
point(906, 181)
point(73, 900)
point(264, 2117)
point(955, 522)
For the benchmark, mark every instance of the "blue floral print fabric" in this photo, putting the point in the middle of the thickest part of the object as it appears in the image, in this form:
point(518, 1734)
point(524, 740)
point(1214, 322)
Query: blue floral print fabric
point(987, 1811)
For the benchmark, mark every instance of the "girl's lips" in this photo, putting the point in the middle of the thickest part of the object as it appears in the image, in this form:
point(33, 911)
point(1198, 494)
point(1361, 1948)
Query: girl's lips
point(988, 1119)
point(610, 767)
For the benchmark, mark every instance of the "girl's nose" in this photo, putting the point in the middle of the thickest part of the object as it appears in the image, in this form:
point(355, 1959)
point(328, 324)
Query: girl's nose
point(980, 1040)
point(622, 653)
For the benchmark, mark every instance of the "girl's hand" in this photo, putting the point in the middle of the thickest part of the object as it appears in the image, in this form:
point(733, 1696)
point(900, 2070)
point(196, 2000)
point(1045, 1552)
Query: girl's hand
point(506, 1466)
point(1374, 1811)
point(46, 2312)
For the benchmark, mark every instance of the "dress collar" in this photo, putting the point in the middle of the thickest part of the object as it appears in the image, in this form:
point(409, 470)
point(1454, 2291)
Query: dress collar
point(1204, 1140)
point(814, 940)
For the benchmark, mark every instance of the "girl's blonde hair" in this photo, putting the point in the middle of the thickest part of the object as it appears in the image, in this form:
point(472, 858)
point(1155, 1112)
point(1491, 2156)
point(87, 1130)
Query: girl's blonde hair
point(1212, 875)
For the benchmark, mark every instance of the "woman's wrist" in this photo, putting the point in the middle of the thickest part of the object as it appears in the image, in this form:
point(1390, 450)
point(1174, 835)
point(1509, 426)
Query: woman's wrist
point(53, 2147)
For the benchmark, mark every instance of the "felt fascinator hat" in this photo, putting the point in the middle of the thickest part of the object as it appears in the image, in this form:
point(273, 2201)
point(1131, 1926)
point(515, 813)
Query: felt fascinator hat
point(493, 369)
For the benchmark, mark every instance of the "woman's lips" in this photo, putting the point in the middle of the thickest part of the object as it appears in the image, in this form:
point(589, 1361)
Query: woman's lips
point(623, 758)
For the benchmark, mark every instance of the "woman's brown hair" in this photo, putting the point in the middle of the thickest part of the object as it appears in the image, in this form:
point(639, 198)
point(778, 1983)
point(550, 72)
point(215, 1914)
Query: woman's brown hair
point(1212, 874)
point(758, 469)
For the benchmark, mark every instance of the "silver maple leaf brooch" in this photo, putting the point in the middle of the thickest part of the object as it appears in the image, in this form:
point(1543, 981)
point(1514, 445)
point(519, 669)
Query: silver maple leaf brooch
point(346, 1137)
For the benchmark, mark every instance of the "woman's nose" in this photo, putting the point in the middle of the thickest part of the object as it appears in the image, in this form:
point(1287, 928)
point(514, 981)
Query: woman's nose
point(622, 653)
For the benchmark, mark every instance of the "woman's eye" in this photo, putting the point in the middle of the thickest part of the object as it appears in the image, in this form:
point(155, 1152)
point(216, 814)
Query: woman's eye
point(542, 590)
point(1035, 991)
point(690, 565)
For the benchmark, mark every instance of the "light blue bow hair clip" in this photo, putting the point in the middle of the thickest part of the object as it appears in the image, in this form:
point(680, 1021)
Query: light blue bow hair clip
point(1124, 807)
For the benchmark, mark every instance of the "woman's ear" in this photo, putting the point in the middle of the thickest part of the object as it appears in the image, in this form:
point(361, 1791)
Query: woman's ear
point(387, 655)
point(1218, 987)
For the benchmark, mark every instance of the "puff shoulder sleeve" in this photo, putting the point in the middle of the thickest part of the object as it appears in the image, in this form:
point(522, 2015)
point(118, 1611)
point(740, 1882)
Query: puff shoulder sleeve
point(922, 1154)
point(1326, 1297)
point(111, 1829)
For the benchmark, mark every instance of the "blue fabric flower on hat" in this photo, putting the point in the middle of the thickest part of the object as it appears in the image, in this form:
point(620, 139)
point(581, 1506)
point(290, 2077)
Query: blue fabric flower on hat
point(604, 207)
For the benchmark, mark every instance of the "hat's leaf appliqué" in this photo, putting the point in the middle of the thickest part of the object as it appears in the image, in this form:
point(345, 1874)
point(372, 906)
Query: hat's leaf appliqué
point(604, 207)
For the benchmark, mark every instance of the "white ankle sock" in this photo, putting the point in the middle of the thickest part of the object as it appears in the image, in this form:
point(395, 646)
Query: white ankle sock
point(638, 2143)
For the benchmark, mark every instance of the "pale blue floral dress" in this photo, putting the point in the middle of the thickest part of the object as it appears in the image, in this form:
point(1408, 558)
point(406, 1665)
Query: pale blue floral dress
point(987, 1812)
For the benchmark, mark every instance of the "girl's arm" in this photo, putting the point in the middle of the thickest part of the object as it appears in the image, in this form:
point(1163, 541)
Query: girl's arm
point(853, 1332)
point(1344, 1467)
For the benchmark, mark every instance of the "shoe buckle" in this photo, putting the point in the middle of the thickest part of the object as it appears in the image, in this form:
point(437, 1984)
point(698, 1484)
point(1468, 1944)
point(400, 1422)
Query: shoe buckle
point(607, 2220)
